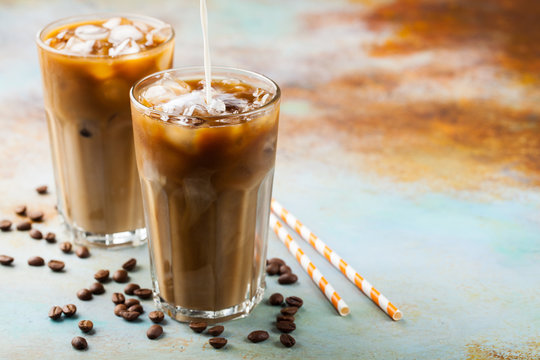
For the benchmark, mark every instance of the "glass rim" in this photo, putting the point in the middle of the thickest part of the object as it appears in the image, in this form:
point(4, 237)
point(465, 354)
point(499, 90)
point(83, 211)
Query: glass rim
point(276, 96)
point(96, 16)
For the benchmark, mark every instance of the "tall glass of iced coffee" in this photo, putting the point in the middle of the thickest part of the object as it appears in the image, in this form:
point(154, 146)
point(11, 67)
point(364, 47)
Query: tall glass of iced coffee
point(206, 171)
point(88, 64)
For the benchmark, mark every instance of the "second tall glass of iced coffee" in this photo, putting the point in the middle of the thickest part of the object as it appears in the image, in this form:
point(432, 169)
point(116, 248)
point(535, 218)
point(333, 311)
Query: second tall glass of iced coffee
point(206, 171)
point(88, 64)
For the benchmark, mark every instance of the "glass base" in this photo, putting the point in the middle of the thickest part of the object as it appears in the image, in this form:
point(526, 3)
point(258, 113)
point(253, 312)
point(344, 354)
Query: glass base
point(132, 238)
point(185, 315)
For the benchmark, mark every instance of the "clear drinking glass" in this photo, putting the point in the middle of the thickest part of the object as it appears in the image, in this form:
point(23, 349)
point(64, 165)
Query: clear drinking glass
point(88, 115)
point(206, 194)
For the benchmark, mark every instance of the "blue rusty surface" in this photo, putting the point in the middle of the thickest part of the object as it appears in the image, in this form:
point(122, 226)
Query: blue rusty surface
point(409, 141)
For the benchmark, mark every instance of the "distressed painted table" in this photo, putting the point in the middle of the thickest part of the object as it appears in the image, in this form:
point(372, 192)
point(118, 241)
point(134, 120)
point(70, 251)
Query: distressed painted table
point(409, 141)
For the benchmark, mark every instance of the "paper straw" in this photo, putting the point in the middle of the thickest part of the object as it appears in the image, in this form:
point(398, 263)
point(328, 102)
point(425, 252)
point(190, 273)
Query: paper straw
point(337, 261)
point(307, 265)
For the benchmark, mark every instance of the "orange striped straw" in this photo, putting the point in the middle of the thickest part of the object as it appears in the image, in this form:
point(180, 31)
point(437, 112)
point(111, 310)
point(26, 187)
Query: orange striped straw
point(337, 261)
point(307, 265)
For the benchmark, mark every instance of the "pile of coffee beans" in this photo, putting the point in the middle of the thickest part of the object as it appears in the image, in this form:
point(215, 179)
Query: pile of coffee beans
point(285, 323)
point(286, 317)
point(216, 342)
point(277, 266)
point(29, 217)
point(131, 309)
point(68, 310)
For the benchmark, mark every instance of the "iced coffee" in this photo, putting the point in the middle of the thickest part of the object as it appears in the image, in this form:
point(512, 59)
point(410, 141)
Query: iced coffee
point(88, 65)
point(206, 171)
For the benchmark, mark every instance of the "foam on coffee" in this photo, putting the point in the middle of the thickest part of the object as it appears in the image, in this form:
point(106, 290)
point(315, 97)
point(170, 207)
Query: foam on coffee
point(111, 37)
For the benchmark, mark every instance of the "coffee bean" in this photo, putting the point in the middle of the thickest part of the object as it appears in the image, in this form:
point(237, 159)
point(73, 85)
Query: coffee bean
point(287, 278)
point(156, 316)
point(56, 265)
point(84, 294)
point(130, 264)
point(55, 312)
point(217, 342)
point(102, 275)
point(289, 310)
point(79, 343)
point(258, 336)
point(154, 332)
point(6, 260)
point(20, 210)
point(276, 299)
point(36, 234)
point(130, 288)
point(66, 247)
point(50, 237)
point(143, 293)
point(118, 309)
point(138, 308)
point(118, 298)
point(41, 189)
point(5, 225)
point(82, 252)
point(286, 326)
point(198, 326)
point(36, 215)
point(130, 315)
point(120, 276)
point(131, 301)
point(97, 288)
point(24, 226)
point(295, 301)
point(272, 269)
point(284, 269)
point(216, 330)
point(86, 325)
point(69, 310)
point(282, 317)
point(36, 261)
point(276, 261)
point(287, 340)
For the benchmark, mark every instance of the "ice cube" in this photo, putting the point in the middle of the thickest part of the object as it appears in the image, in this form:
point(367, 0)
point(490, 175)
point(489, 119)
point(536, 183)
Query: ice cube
point(78, 46)
point(162, 33)
point(260, 102)
point(193, 103)
point(61, 34)
point(141, 26)
point(149, 39)
point(126, 47)
point(178, 86)
point(230, 81)
point(182, 104)
point(189, 111)
point(233, 105)
point(258, 92)
point(156, 94)
point(216, 106)
point(121, 33)
point(91, 32)
point(112, 22)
